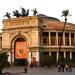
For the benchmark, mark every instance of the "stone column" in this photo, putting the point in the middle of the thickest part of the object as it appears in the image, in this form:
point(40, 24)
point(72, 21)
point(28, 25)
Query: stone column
point(74, 38)
point(41, 40)
point(50, 53)
point(37, 57)
point(12, 56)
point(64, 54)
point(29, 58)
point(63, 38)
point(57, 38)
point(49, 39)
point(70, 55)
point(57, 56)
point(9, 57)
point(70, 39)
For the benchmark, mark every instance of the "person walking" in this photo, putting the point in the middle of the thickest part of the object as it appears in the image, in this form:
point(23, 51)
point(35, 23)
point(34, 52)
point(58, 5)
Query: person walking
point(62, 67)
point(25, 66)
point(25, 69)
point(70, 68)
point(66, 66)
point(59, 68)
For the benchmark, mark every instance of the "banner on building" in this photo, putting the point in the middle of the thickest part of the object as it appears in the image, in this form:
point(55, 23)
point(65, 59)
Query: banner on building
point(21, 50)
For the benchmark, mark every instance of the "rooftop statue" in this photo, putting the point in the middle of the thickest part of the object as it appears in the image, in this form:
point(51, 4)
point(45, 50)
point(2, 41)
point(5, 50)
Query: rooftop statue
point(34, 11)
point(16, 13)
point(27, 13)
point(23, 13)
point(7, 15)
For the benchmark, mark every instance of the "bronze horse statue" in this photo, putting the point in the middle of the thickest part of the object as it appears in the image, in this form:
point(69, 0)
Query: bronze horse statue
point(27, 13)
point(24, 12)
point(7, 15)
point(34, 11)
point(16, 13)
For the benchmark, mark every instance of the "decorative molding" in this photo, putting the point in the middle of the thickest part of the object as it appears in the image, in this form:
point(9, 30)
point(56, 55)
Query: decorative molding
point(18, 22)
point(67, 26)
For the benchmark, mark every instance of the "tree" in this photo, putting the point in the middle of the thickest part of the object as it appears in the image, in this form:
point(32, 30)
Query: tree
point(65, 13)
point(3, 61)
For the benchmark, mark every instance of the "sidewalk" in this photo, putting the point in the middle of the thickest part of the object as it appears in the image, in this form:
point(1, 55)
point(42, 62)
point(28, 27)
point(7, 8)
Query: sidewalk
point(36, 71)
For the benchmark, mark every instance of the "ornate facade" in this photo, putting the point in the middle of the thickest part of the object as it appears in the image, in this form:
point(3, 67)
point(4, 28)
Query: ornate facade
point(27, 37)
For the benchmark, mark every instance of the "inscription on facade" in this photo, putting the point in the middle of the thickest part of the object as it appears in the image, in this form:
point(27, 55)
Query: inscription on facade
point(18, 23)
point(15, 22)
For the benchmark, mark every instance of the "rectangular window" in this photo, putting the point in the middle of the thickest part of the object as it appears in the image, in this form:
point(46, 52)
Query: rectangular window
point(53, 38)
point(0, 42)
point(72, 39)
point(45, 41)
point(60, 38)
point(45, 38)
point(67, 39)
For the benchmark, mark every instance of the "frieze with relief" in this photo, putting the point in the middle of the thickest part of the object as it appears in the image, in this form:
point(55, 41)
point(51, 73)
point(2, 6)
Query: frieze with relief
point(26, 21)
point(18, 22)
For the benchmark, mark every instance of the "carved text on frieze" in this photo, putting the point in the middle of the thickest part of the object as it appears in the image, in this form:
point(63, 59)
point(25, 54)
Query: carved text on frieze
point(18, 22)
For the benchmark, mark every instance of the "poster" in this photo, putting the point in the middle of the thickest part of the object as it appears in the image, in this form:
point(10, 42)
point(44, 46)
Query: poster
point(21, 50)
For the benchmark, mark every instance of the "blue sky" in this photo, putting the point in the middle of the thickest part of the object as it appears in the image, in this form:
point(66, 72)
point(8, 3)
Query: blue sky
point(51, 8)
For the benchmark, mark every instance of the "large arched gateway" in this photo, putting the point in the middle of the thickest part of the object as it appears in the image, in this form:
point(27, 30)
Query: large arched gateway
point(20, 50)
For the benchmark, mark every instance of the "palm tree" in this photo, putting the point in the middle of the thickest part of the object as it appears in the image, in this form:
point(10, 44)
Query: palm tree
point(65, 13)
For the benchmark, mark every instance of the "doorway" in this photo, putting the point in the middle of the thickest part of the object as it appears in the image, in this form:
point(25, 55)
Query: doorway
point(20, 51)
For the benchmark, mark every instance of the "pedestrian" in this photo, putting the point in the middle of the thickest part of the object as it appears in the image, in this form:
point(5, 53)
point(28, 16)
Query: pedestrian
point(66, 66)
point(62, 67)
point(70, 68)
point(59, 68)
point(25, 69)
point(31, 65)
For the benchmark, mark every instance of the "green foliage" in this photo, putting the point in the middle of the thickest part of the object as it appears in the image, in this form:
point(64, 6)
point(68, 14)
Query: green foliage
point(3, 61)
point(62, 60)
point(65, 13)
point(52, 60)
point(47, 60)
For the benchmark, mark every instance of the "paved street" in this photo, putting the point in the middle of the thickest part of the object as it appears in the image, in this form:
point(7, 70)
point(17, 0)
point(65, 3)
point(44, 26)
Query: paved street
point(36, 71)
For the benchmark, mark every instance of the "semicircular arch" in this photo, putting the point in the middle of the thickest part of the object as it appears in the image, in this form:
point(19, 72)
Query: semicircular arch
point(15, 37)
point(18, 42)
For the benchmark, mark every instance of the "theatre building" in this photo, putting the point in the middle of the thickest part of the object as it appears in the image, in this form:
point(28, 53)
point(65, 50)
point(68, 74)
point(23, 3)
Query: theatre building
point(27, 37)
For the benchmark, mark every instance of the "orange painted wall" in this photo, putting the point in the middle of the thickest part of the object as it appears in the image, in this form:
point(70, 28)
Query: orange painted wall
point(21, 50)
